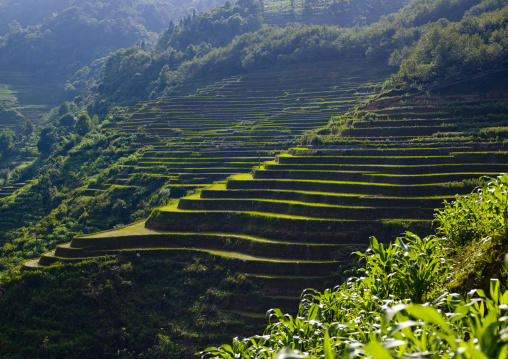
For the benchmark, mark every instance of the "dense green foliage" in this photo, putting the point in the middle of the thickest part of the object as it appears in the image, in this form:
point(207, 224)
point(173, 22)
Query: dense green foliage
point(157, 306)
point(454, 51)
point(217, 28)
point(379, 314)
point(201, 46)
point(49, 211)
point(58, 38)
point(481, 215)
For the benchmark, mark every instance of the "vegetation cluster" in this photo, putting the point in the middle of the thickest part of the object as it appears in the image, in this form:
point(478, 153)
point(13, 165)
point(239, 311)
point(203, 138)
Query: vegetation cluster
point(399, 305)
point(58, 38)
point(413, 40)
point(140, 304)
point(75, 154)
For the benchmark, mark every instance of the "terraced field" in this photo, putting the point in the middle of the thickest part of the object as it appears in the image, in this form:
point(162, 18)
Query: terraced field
point(22, 97)
point(296, 217)
point(284, 12)
point(8, 190)
point(232, 125)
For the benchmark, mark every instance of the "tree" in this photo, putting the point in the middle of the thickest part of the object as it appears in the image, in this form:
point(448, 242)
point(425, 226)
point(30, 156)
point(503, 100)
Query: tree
point(6, 141)
point(64, 109)
point(83, 124)
point(48, 138)
point(67, 121)
point(27, 128)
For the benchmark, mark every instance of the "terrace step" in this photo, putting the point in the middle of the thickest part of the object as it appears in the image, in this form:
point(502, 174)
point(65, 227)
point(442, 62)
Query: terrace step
point(137, 236)
point(393, 169)
point(340, 187)
point(454, 158)
point(276, 226)
point(288, 285)
point(287, 304)
point(342, 199)
point(304, 209)
point(369, 177)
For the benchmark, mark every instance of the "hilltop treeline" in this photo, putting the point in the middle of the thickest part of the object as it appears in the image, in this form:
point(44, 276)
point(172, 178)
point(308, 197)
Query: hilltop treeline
point(450, 51)
point(427, 42)
point(58, 38)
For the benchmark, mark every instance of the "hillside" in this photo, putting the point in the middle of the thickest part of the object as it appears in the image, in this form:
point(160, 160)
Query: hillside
point(203, 47)
point(158, 151)
point(270, 267)
point(391, 166)
point(55, 41)
point(72, 66)
point(242, 172)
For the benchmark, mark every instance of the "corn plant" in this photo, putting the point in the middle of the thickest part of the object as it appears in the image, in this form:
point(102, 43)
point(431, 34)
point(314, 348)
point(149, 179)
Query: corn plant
point(484, 213)
point(382, 314)
point(406, 269)
point(351, 311)
point(450, 327)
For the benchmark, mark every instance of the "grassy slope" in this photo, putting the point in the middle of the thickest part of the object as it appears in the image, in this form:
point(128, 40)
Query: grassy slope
point(120, 307)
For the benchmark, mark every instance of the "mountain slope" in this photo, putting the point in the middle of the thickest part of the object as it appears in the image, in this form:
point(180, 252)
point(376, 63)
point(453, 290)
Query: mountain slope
point(377, 168)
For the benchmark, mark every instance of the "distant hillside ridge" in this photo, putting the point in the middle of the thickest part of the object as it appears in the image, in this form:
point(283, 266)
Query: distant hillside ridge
point(241, 43)
point(58, 38)
point(322, 12)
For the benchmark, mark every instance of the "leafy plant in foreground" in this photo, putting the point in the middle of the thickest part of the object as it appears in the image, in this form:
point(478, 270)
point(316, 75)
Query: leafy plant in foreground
point(382, 314)
point(484, 213)
point(351, 312)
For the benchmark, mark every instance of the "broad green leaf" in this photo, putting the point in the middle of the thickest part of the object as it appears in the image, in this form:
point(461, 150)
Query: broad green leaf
point(476, 354)
point(393, 344)
point(287, 353)
point(429, 315)
point(329, 352)
point(313, 312)
point(392, 311)
point(400, 326)
point(495, 290)
point(227, 348)
point(377, 351)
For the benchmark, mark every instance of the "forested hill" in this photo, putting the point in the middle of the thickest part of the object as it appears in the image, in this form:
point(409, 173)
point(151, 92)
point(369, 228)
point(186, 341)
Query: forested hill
point(426, 42)
point(58, 38)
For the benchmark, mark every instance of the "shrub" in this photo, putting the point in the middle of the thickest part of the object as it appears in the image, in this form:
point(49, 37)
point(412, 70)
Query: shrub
point(482, 214)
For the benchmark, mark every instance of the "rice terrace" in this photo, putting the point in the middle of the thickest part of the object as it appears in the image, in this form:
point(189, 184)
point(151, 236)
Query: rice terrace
point(277, 179)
